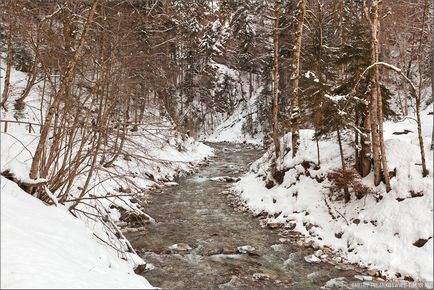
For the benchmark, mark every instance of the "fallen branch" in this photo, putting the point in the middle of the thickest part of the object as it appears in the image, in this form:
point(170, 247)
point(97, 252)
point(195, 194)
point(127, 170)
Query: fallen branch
point(98, 197)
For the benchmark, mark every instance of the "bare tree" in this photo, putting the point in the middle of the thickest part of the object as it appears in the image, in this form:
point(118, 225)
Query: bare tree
point(66, 81)
point(418, 96)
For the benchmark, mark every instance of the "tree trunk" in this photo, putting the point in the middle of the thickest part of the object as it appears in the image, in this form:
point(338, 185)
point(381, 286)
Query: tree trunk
point(319, 71)
point(276, 79)
point(372, 16)
point(250, 85)
point(432, 80)
point(9, 60)
point(295, 109)
point(419, 93)
point(356, 140)
point(420, 136)
point(122, 136)
point(347, 195)
point(386, 176)
point(405, 88)
point(381, 135)
point(19, 103)
point(365, 140)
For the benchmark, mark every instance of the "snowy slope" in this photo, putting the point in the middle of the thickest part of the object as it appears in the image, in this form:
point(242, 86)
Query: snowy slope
point(379, 235)
point(230, 128)
point(45, 247)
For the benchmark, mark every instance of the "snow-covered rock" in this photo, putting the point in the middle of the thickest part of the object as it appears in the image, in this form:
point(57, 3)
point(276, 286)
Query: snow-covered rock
point(247, 249)
point(312, 259)
point(180, 248)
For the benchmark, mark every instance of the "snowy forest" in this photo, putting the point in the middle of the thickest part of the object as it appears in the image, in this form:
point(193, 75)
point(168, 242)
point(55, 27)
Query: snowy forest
point(216, 144)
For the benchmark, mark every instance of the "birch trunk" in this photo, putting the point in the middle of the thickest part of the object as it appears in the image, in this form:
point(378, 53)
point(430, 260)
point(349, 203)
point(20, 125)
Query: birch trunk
point(380, 102)
point(372, 16)
point(419, 93)
point(295, 109)
point(381, 135)
point(276, 79)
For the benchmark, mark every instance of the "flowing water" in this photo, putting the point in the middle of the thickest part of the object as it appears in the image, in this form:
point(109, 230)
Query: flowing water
point(198, 213)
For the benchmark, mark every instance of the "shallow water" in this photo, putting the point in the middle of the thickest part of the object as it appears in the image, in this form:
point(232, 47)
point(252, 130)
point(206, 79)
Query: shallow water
point(198, 213)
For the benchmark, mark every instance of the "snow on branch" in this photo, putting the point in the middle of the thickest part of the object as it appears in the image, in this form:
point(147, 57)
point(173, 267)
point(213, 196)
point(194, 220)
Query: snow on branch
point(59, 8)
point(388, 66)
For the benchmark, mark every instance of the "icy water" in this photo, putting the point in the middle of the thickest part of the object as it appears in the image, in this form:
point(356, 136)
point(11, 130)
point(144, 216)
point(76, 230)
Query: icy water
point(198, 213)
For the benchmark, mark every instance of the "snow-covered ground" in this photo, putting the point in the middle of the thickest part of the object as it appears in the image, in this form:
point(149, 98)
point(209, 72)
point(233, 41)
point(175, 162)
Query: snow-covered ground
point(46, 246)
point(377, 234)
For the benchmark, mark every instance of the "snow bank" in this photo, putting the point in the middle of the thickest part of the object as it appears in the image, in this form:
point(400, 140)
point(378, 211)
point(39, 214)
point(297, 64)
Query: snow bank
point(377, 234)
point(46, 247)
